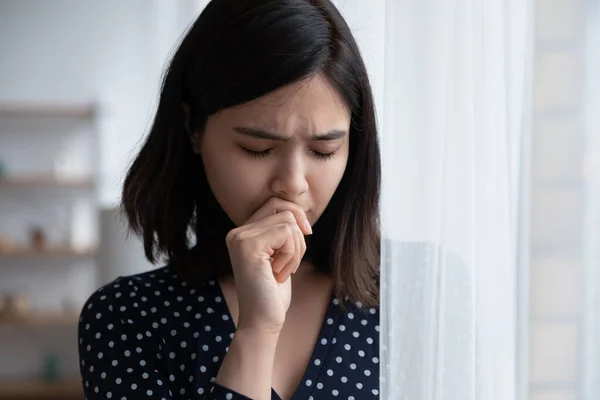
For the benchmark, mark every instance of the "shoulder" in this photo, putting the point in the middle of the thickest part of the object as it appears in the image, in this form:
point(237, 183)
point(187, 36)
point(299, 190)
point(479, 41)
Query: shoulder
point(356, 313)
point(133, 299)
point(127, 290)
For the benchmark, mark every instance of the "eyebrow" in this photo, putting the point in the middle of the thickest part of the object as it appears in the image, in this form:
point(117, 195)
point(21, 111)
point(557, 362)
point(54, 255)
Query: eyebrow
point(262, 134)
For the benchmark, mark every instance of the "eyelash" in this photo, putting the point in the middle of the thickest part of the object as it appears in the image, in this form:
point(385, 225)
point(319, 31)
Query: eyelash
point(265, 153)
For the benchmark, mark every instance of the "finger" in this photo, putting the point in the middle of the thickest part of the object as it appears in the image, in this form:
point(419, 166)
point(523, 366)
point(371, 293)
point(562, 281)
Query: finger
point(282, 257)
point(279, 257)
point(276, 205)
point(287, 269)
point(278, 243)
point(294, 263)
point(260, 226)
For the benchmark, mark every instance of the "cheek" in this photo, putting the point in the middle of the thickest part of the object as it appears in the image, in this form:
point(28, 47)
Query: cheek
point(235, 185)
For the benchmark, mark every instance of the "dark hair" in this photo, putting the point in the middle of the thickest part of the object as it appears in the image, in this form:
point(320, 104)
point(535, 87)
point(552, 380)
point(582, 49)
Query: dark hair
point(237, 51)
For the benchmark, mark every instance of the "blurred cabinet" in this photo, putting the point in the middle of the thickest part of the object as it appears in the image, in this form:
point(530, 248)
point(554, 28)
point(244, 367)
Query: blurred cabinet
point(48, 242)
point(39, 390)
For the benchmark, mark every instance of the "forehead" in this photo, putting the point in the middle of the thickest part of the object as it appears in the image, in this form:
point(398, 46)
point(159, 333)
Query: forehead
point(309, 105)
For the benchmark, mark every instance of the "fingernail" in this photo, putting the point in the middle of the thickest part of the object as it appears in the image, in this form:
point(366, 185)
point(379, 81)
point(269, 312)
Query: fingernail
point(308, 227)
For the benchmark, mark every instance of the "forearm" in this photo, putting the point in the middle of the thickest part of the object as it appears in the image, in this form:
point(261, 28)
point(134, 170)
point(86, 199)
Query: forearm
point(248, 365)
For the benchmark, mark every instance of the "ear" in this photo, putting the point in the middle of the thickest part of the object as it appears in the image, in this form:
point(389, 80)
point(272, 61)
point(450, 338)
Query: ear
point(186, 123)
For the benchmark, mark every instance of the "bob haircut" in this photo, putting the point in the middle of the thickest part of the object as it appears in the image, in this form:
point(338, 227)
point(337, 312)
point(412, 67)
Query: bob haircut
point(237, 51)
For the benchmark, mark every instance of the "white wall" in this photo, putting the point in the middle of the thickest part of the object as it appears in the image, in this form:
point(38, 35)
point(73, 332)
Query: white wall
point(110, 52)
point(557, 199)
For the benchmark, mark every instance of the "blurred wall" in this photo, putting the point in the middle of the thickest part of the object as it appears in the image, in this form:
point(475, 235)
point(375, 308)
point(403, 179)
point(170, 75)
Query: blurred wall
point(110, 53)
point(557, 202)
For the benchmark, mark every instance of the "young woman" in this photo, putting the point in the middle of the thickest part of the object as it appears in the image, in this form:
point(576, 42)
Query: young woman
point(258, 186)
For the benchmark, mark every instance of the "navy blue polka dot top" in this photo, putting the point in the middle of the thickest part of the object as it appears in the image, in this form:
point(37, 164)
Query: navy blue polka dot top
point(153, 336)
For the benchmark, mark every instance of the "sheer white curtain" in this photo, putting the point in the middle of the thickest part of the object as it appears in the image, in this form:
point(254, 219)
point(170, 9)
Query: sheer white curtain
point(454, 113)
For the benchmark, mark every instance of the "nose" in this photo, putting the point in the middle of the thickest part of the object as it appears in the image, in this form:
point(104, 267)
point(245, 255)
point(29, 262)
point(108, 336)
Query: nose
point(289, 180)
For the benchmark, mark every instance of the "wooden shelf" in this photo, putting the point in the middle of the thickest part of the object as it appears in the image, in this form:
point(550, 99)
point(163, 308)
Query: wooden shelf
point(45, 181)
point(40, 319)
point(39, 390)
point(50, 252)
point(46, 110)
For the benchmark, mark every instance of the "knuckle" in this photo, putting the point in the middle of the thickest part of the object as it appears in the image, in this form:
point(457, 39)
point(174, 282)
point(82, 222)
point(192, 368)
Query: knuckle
point(245, 246)
point(231, 236)
point(298, 230)
point(272, 200)
point(289, 216)
point(291, 226)
point(288, 229)
point(235, 236)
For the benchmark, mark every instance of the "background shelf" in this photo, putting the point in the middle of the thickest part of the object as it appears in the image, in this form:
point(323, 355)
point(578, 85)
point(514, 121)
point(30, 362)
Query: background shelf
point(50, 252)
point(45, 110)
point(41, 319)
point(45, 181)
point(39, 390)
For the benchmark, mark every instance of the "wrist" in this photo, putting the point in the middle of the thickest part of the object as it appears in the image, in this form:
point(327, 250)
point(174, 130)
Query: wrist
point(253, 328)
point(257, 337)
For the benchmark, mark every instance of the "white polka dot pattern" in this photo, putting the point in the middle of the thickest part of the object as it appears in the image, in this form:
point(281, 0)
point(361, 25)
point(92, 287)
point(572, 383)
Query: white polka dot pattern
point(154, 336)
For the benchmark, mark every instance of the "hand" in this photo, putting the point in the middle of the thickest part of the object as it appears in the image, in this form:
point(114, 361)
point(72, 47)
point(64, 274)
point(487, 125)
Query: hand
point(264, 252)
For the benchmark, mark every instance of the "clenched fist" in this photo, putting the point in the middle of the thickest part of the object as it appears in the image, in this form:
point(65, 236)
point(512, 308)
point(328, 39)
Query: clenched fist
point(264, 252)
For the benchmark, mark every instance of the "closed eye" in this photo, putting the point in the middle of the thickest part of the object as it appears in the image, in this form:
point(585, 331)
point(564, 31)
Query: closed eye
point(323, 156)
point(267, 152)
point(258, 154)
